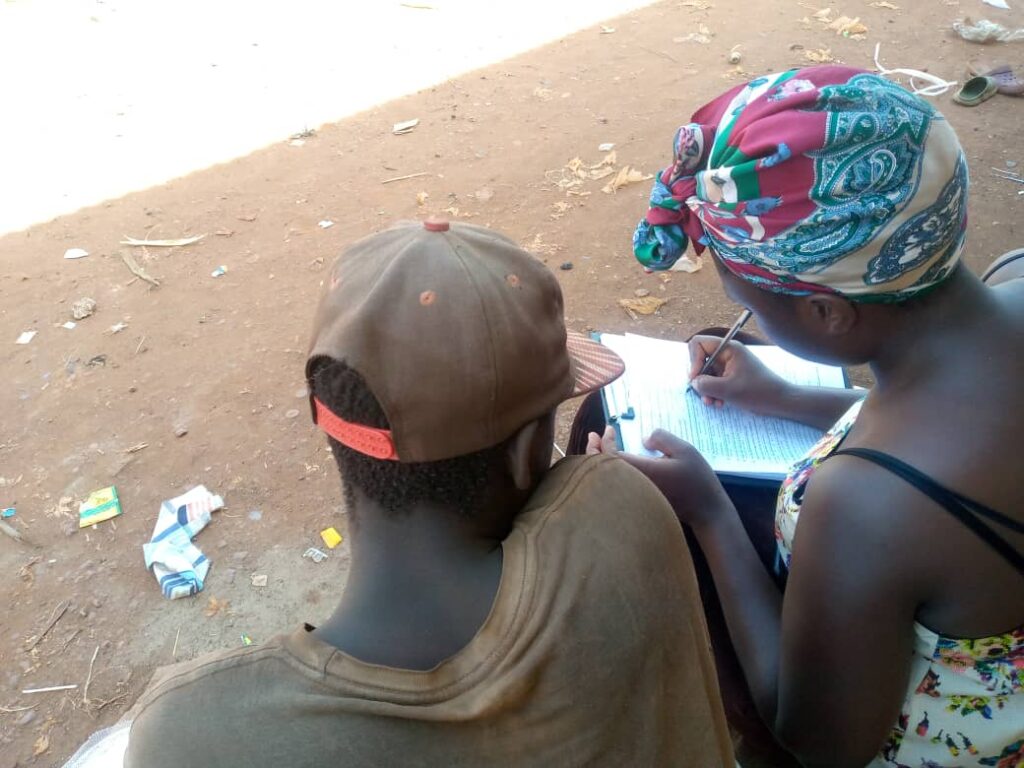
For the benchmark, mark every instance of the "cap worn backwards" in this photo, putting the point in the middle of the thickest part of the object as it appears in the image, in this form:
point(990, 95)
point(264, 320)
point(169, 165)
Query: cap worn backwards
point(458, 333)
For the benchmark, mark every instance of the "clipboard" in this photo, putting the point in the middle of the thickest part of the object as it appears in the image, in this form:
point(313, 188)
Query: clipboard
point(611, 412)
point(774, 444)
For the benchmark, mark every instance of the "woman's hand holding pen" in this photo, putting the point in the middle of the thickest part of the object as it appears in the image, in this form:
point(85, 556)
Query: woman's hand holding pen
point(737, 377)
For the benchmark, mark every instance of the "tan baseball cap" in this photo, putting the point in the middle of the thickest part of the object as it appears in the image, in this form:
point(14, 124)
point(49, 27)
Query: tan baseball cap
point(459, 334)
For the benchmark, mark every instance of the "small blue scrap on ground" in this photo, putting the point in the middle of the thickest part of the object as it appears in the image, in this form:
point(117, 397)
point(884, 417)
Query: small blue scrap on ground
point(9, 512)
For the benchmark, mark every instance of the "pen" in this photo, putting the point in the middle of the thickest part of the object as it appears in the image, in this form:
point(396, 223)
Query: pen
point(613, 404)
point(740, 322)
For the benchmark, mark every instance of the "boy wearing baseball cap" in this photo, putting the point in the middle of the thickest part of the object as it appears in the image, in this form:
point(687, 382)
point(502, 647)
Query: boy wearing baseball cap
point(498, 610)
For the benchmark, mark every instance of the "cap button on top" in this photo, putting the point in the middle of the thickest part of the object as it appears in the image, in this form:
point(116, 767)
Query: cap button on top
point(435, 224)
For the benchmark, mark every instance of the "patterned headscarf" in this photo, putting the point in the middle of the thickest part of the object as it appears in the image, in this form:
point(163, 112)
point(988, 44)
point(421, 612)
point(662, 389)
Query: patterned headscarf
point(825, 179)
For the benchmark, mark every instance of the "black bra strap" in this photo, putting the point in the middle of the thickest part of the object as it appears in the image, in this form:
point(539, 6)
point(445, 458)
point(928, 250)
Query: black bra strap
point(966, 510)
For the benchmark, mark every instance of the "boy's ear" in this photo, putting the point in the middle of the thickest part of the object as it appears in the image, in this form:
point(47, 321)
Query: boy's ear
point(519, 455)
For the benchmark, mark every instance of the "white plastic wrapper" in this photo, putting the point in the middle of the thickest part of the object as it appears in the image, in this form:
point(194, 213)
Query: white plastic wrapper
point(104, 749)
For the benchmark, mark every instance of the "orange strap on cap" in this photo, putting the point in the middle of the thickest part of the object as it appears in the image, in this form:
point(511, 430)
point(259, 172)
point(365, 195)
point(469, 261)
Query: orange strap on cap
point(371, 441)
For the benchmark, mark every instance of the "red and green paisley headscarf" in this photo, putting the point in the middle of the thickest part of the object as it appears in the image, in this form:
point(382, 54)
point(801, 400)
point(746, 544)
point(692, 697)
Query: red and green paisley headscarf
point(820, 179)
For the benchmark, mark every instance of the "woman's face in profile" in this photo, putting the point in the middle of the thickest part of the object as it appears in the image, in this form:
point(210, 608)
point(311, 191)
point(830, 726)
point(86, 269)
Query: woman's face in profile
point(788, 321)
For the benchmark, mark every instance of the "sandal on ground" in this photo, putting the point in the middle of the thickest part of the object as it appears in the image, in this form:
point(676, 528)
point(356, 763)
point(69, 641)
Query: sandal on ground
point(1007, 81)
point(1009, 266)
point(976, 90)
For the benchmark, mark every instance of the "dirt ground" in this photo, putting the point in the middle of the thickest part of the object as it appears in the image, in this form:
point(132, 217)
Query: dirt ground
point(221, 359)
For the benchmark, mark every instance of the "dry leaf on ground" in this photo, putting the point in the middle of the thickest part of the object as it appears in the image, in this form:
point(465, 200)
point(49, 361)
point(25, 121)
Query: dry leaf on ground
point(841, 25)
point(559, 208)
point(703, 36)
point(575, 172)
point(135, 269)
point(885, 4)
point(63, 508)
point(624, 178)
point(686, 264)
point(26, 573)
point(421, 198)
point(645, 305)
point(572, 175)
point(848, 27)
point(539, 248)
point(215, 606)
point(819, 56)
point(42, 745)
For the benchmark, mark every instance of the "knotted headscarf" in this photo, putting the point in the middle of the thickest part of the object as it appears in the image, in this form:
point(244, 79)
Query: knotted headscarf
point(821, 179)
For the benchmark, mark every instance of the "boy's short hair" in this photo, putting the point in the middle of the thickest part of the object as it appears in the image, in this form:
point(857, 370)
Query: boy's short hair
point(458, 483)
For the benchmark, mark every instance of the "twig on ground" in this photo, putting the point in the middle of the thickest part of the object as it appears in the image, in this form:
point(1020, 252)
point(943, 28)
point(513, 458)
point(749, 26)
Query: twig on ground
point(88, 679)
point(668, 56)
point(51, 688)
point(407, 176)
point(59, 611)
point(14, 533)
point(129, 261)
point(102, 704)
point(175, 243)
point(67, 642)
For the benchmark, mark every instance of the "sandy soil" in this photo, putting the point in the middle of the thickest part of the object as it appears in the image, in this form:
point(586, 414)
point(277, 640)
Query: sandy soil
point(222, 357)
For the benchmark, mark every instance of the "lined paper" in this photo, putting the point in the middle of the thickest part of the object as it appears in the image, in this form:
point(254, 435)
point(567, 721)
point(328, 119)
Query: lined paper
point(732, 440)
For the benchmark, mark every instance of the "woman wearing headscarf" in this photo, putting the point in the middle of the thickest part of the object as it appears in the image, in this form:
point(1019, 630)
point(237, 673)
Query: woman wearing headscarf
point(834, 203)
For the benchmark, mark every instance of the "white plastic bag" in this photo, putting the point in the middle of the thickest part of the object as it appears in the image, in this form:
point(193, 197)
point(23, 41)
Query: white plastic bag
point(104, 749)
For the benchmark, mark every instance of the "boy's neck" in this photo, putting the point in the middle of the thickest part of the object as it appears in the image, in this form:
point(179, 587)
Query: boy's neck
point(421, 583)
